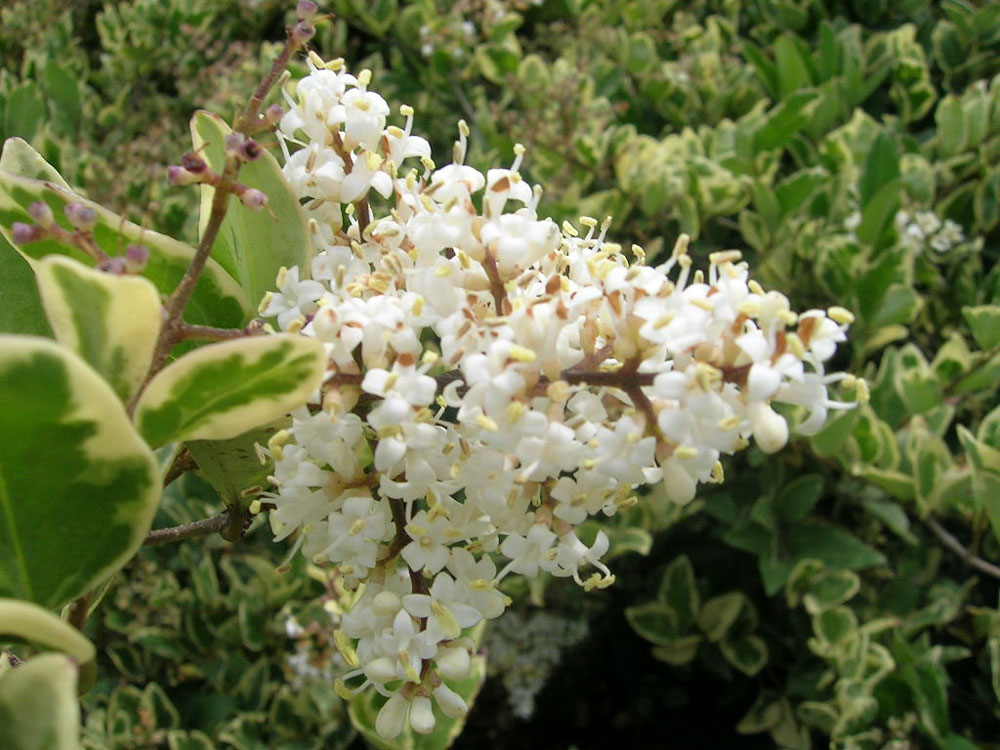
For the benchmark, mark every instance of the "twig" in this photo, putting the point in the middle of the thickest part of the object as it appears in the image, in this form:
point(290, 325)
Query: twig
point(955, 546)
point(78, 612)
point(190, 530)
point(189, 332)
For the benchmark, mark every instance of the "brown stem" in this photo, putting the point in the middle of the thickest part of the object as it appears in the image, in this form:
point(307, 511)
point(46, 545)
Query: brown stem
point(496, 283)
point(362, 211)
point(188, 332)
point(399, 519)
point(78, 612)
point(955, 546)
point(191, 530)
point(247, 122)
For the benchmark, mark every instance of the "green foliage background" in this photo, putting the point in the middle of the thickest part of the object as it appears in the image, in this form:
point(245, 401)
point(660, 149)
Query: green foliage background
point(820, 597)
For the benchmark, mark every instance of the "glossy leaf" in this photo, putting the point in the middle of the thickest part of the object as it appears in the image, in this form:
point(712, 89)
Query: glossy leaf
point(33, 624)
point(39, 709)
point(234, 465)
point(718, 614)
point(748, 653)
point(20, 306)
point(78, 486)
point(654, 621)
point(984, 322)
point(253, 246)
point(220, 391)
point(678, 591)
point(111, 321)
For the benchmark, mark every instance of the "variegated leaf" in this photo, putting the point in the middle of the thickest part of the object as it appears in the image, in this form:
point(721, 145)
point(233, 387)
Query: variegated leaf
point(111, 321)
point(78, 486)
point(222, 390)
point(39, 709)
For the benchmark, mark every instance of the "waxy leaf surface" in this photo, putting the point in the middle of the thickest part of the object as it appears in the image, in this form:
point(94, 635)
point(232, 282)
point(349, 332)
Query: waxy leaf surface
point(111, 321)
point(223, 390)
point(78, 486)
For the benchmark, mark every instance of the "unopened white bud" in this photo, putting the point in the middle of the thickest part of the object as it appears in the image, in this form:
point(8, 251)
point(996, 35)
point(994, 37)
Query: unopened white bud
point(392, 717)
point(422, 715)
point(451, 703)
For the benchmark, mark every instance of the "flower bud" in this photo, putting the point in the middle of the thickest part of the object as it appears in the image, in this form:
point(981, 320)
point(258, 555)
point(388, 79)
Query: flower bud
point(80, 216)
point(253, 198)
point(273, 115)
point(453, 663)
point(381, 669)
point(193, 163)
point(306, 10)
point(22, 234)
point(41, 213)
point(451, 703)
point(770, 430)
point(422, 715)
point(234, 142)
point(250, 150)
point(136, 257)
point(117, 265)
point(392, 716)
point(178, 176)
point(302, 32)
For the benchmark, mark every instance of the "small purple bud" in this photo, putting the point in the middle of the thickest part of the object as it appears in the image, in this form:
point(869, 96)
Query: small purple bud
point(40, 212)
point(179, 176)
point(115, 265)
point(307, 10)
point(234, 142)
point(253, 198)
point(80, 216)
point(22, 234)
point(250, 150)
point(136, 257)
point(302, 32)
point(273, 114)
point(193, 163)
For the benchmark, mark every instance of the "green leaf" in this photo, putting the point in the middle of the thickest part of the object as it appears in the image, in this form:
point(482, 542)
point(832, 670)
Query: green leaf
point(24, 112)
point(19, 158)
point(881, 168)
point(830, 588)
point(65, 95)
point(179, 740)
point(784, 121)
point(748, 653)
point(836, 625)
point(797, 498)
point(217, 299)
point(654, 621)
point(39, 709)
point(878, 212)
point(835, 546)
point(111, 321)
point(984, 323)
point(678, 591)
point(33, 624)
point(719, 613)
point(892, 515)
point(764, 714)
point(220, 391)
point(678, 652)
point(252, 247)
point(78, 487)
point(20, 306)
point(950, 120)
point(234, 465)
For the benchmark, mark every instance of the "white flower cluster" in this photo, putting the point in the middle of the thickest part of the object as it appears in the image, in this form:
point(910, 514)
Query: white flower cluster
point(917, 228)
point(523, 648)
point(494, 381)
